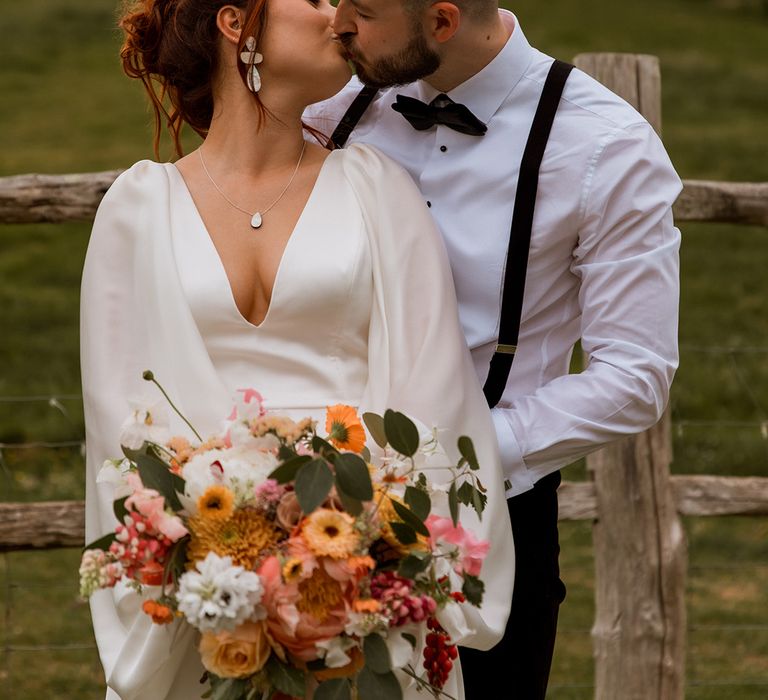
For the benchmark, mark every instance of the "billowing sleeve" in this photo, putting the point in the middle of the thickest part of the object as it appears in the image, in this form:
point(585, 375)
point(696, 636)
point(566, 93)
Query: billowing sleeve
point(418, 360)
point(140, 660)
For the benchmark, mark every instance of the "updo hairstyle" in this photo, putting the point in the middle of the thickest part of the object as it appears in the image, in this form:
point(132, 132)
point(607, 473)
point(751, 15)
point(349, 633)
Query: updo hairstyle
point(172, 46)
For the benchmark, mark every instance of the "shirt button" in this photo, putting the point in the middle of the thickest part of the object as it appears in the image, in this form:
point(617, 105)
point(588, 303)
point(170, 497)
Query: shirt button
point(429, 204)
point(443, 148)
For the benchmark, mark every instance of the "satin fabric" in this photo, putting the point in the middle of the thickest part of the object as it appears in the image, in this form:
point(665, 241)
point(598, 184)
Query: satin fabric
point(363, 312)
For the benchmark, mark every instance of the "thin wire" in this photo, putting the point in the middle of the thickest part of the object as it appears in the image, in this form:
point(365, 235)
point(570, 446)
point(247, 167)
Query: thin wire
point(48, 399)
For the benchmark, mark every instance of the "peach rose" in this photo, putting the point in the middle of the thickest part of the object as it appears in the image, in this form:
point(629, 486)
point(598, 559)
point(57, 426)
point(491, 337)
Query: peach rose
point(236, 654)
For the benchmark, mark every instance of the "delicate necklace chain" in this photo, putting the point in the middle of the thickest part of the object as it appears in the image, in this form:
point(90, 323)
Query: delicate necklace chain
point(257, 216)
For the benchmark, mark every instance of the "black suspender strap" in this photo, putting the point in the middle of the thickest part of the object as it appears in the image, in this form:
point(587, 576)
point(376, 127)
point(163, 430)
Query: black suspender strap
point(520, 236)
point(352, 116)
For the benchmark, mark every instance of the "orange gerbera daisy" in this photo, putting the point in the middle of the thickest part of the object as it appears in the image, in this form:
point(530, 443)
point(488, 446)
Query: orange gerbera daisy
point(344, 428)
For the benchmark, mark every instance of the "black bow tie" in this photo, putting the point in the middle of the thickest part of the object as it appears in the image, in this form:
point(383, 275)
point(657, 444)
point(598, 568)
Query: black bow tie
point(442, 110)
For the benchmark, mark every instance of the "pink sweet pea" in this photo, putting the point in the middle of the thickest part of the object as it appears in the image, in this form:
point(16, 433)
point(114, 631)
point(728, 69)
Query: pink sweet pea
point(151, 505)
point(471, 551)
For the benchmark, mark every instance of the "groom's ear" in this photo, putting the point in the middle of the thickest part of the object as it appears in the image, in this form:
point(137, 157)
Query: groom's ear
point(442, 20)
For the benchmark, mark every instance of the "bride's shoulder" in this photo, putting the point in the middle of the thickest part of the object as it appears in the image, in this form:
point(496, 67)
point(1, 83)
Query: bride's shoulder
point(140, 179)
point(365, 166)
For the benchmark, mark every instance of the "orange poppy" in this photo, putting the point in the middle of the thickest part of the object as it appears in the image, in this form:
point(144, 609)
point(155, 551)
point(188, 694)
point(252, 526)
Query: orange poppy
point(344, 428)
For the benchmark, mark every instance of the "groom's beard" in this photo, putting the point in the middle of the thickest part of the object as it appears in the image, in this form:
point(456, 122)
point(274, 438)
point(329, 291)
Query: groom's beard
point(413, 62)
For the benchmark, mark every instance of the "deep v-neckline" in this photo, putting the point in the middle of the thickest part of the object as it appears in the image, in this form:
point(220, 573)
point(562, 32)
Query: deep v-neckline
point(208, 240)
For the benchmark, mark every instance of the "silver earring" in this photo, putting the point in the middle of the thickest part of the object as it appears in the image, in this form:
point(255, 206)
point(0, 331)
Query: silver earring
point(252, 58)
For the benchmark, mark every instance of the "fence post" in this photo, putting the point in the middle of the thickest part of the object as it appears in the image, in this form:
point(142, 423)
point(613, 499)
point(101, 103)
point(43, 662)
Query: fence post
point(640, 549)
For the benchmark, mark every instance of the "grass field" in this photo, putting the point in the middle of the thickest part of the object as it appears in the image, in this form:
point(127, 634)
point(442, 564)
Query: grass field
point(65, 107)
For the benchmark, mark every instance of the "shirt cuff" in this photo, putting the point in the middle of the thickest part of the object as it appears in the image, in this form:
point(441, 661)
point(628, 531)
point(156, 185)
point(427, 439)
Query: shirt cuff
point(517, 477)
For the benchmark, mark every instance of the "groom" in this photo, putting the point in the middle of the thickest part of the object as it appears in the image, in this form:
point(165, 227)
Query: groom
point(554, 199)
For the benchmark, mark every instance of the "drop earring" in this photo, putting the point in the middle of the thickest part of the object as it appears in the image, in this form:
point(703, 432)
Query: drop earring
point(252, 58)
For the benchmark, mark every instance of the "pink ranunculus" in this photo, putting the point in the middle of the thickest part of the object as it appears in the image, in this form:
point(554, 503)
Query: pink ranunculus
point(472, 551)
point(299, 631)
point(151, 505)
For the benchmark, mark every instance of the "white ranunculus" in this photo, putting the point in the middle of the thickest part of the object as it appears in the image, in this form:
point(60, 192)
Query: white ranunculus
point(146, 423)
point(113, 472)
point(335, 651)
point(219, 596)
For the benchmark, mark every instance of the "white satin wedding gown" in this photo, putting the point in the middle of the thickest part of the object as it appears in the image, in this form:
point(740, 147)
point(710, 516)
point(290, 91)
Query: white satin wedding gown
point(363, 312)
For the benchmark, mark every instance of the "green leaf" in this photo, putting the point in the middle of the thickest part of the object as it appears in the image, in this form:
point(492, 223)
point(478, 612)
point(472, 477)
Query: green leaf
point(353, 477)
point(177, 559)
point(102, 543)
point(409, 517)
point(335, 689)
point(401, 433)
point(410, 638)
point(286, 679)
point(414, 564)
point(467, 449)
point(323, 446)
point(470, 496)
point(376, 653)
point(230, 689)
point(119, 508)
point(365, 454)
point(405, 533)
point(473, 588)
point(352, 505)
point(285, 453)
point(378, 686)
point(156, 475)
point(375, 424)
point(313, 484)
point(453, 504)
point(418, 501)
point(287, 470)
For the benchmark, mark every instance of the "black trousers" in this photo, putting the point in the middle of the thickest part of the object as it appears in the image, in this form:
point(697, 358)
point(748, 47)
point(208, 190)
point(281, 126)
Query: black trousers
point(517, 668)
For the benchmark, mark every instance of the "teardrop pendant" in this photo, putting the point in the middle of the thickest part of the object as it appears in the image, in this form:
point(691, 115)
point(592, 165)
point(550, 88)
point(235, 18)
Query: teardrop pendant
point(256, 220)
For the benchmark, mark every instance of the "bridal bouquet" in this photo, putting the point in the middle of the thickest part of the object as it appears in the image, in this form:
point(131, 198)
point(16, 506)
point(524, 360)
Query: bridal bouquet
point(308, 570)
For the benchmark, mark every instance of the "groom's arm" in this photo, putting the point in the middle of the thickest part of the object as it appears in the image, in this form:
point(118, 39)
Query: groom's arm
point(627, 262)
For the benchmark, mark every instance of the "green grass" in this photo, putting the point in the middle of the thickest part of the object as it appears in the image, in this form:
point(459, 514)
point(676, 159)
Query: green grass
point(66, 107)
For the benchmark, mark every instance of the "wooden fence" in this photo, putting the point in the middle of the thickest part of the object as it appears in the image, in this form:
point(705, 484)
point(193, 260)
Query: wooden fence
point(639, 633)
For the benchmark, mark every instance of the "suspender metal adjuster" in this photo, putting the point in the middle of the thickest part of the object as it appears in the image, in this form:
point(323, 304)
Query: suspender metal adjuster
point(506, 349)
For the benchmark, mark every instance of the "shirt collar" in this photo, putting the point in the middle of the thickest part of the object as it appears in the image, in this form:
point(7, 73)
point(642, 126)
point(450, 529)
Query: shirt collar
point(485, 91)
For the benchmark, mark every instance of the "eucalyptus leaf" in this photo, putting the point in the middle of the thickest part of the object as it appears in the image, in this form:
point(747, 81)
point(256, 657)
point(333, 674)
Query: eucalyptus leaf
point(230, 689)
point(453, 503)
point(322, 446)
point(418, 501)
point(376, 653)
point(409, 517)
point(375, 424)
point(156, 475)
point(378, 686)
point(473, 588)
point(365, 453)
point(334, 689)
point(102, 543)
point(411, 639)
point(401, 433)
point(285, 453)
point(286, 679)
point(352, 505)
point(405, 533)
point(467, 449)
point(313, 484)
point(119, 509)
point(353, 477)
point(287, 471)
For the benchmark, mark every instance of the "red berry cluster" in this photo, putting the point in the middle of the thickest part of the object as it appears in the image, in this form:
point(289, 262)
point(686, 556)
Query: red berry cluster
point(439, 654)
point(138, 544)
point(397, 600)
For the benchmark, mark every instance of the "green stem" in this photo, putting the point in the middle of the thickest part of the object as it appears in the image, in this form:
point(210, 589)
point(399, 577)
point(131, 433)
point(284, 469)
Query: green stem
point(148, 376)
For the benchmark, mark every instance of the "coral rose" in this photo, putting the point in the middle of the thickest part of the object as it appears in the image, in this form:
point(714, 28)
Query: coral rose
point(236, 654)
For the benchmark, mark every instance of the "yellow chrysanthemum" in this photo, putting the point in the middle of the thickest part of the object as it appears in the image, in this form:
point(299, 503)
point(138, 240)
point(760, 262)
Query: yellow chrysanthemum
point(319, 595)
point(344, 428)
point(330, 533)
point(246, 537)
point(292, 570)
point(217, 503)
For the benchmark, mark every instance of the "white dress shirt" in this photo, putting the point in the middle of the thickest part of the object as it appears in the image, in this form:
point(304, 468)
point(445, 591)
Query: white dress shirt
point(603, 264)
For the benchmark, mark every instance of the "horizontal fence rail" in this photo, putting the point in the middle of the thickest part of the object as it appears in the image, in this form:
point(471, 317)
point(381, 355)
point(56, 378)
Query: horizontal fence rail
point(54, 524)
point(40, 199)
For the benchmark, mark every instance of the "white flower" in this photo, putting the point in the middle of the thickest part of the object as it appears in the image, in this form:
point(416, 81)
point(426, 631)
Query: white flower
point(334, 651)
point(361, 624)
point(147, 423)
point(219, 596)
point(114, 472)
point(401, 649)
point(240, 468)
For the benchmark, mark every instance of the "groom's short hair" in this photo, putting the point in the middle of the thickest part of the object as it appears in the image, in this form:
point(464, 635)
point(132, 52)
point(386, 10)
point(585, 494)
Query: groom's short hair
point(473, 9)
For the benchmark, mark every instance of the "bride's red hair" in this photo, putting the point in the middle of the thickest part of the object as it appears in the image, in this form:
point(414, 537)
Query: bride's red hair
point(172, 47)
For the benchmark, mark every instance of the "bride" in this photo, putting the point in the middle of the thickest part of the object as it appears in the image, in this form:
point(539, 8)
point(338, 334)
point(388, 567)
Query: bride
point(263, 260)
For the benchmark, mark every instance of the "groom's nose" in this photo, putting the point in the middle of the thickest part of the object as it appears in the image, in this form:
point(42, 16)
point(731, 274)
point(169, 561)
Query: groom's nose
point(343, 22)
